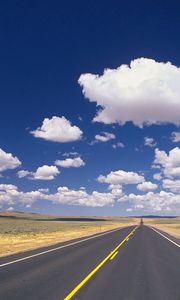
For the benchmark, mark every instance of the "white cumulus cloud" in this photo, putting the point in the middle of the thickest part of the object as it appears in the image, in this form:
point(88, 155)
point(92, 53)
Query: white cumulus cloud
point(11, 208)
point(105, 136)
point(58, 129)
point(172, 185)
point(118, 145)
point(80, 197)
point(155, 202)
point(175, 137)
point(67, 154)
point(145, 92)
point(148, 141)
point(157, 176)
point(116, 190)
point(64, 195)
point(10, 195)
point(8, 161)
point(129, 209)
point(42, 173)
point(75, 162)
point(121, 177)
point(147, 186)
point(45, 173)
point(170, 163)
point(23, 173)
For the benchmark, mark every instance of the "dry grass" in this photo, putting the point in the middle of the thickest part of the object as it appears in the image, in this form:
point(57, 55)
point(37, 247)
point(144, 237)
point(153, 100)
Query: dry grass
point(169, 225)
point(19, 234)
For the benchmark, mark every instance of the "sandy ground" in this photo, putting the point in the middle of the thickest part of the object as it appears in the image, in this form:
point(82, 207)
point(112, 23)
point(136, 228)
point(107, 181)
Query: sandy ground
point(171, 226)
point(22, 235)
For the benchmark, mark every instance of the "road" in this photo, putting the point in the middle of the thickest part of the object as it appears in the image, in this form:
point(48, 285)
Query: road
point(127, 264)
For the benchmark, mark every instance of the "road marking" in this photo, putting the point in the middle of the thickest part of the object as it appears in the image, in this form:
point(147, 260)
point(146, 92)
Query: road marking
point(114, 255)
point(82, 283)
point(127, 239)
point(165, 236)
point(58, 248)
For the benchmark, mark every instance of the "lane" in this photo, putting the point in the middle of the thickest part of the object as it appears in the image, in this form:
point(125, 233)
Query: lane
point(15, 258)
point(166, 235)
point(147, 268)
point(110, 256)
point(52, 275)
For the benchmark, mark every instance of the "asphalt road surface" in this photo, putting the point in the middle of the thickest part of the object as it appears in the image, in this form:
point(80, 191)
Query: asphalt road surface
point(134, 263)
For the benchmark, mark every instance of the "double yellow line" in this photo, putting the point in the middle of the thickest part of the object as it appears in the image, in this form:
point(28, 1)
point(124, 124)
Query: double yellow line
point(111, 255)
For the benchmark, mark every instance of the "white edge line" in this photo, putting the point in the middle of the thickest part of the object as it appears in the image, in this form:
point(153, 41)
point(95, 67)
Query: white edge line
point(165, 236)
point(58, 248)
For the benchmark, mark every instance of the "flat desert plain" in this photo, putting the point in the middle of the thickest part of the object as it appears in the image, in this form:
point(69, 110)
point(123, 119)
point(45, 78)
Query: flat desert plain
point(169, 225)
point(20, 232)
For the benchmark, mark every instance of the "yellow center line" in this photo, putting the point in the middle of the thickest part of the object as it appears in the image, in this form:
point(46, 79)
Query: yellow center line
point(80, 285)
point(114, 255)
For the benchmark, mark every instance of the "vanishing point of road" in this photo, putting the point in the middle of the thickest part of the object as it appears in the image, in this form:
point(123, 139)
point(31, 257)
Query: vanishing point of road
point(132, 263)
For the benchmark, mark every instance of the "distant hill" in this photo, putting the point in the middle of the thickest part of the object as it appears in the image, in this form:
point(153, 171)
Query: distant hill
point(41, 217)
point(158, 217)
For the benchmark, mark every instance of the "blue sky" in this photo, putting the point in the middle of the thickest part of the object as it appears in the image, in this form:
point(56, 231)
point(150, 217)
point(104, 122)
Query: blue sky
point(90, 107)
